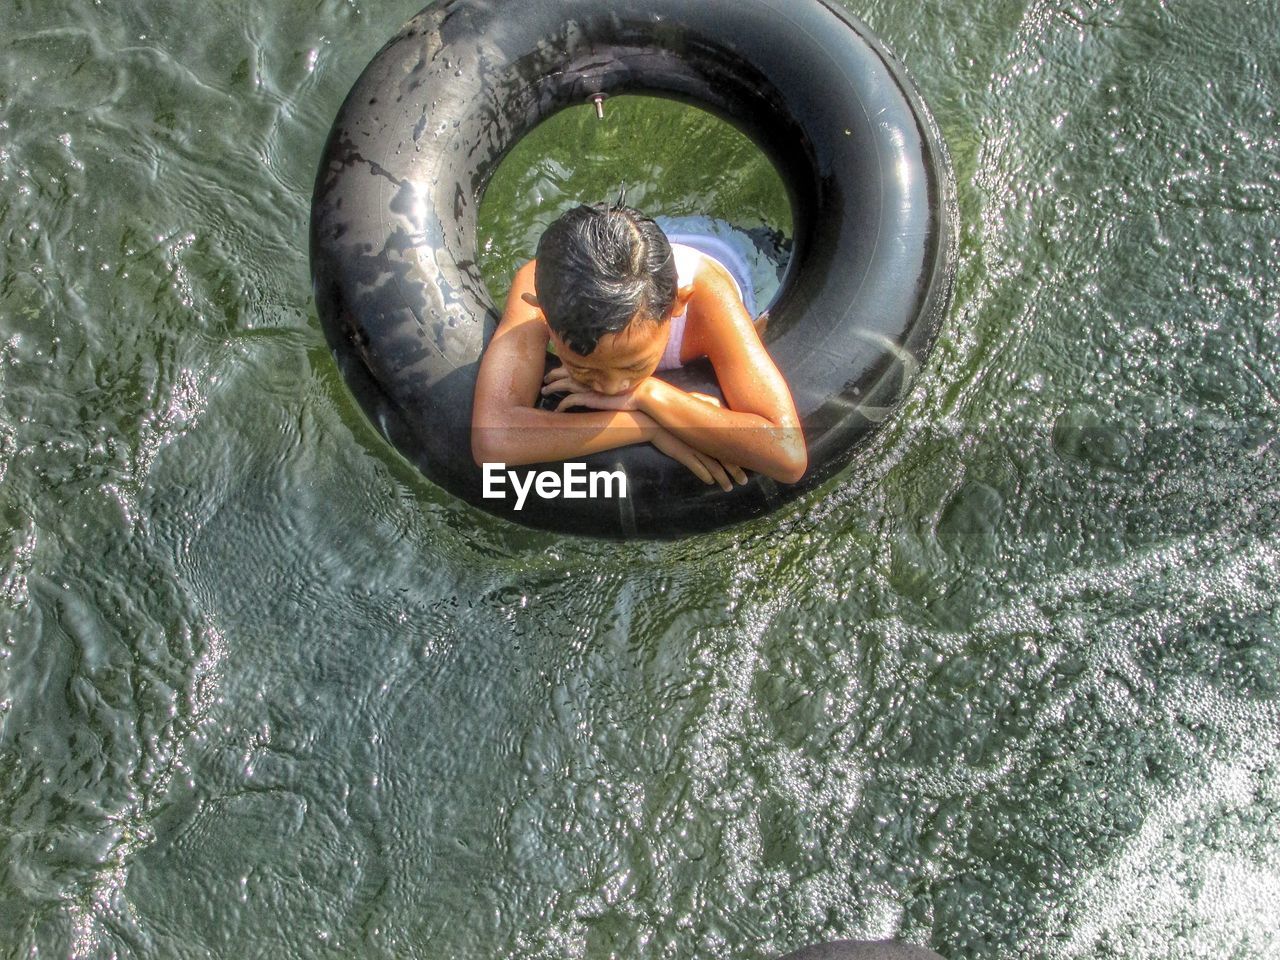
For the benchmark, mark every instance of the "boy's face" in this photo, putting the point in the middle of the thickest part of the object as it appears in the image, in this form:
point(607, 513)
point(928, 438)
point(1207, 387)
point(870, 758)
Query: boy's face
point(621, 360)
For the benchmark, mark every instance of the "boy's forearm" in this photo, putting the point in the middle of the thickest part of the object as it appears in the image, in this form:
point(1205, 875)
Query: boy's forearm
point(530, 435)
point(731, 436)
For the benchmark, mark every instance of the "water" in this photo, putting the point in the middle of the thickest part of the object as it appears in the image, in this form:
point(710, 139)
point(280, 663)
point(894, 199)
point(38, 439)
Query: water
point(1008, 687)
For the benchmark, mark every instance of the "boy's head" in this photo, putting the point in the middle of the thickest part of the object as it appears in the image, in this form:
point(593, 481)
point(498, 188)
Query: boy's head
point(600, 269)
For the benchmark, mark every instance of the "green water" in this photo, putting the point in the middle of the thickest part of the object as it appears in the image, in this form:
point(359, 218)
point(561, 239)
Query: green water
point(678, 162)
point(1008, 687)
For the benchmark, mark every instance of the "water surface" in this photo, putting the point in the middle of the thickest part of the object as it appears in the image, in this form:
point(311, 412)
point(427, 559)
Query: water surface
point(1007, 687)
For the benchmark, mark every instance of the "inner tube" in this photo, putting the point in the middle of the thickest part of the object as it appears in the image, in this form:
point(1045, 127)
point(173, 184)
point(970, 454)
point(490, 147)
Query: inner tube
point(393, 225)
point(863, 950)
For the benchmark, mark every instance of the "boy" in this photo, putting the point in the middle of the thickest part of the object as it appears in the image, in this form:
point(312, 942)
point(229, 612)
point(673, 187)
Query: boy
point(618, 302)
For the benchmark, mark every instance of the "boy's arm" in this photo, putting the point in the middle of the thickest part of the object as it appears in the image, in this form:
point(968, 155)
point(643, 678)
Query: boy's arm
point(507, 428)
point(758, 428)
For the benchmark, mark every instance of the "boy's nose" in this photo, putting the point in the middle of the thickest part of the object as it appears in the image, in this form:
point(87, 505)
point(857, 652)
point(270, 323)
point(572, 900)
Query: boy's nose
point(613, 385)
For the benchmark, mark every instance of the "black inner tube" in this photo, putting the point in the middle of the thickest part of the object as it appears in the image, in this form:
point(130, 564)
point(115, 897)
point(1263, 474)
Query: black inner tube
point(393, 241)
point(863, 950)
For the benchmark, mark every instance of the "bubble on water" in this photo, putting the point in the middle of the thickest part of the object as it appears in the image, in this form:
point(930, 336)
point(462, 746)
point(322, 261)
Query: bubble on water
point(18, 564)
point(1167, 870)
point(92, 913)
point(181, 409)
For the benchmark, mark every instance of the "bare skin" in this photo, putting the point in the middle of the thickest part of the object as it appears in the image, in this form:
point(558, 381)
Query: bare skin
point(756, 428)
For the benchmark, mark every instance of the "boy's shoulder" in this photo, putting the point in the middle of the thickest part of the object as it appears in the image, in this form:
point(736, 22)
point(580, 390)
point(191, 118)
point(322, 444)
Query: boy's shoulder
point(705, 272)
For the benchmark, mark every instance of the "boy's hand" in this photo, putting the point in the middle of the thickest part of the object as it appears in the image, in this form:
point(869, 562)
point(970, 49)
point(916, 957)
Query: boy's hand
point(558, 380)
point(707, 469)
point(733, 469)
point(597, 401)
point(580, 395)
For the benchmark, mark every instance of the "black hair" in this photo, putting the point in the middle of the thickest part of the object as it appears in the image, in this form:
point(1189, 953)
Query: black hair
point(598, 267)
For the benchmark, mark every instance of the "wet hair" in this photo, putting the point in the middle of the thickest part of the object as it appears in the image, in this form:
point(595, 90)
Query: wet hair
point(598, 268)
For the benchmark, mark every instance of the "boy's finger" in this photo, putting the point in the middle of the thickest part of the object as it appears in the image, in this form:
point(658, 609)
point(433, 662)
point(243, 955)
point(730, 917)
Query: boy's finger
point(567, 385)
point(717, 471)
point(590, 400)
point(738, 473)
point(690, 458)
point(702, 473)
point(570, 385)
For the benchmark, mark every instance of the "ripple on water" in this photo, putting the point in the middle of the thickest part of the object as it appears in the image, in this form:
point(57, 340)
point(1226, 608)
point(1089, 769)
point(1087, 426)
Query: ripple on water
point(1006, 687)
